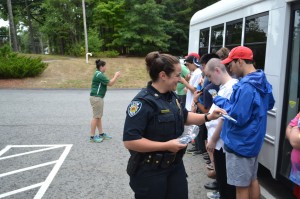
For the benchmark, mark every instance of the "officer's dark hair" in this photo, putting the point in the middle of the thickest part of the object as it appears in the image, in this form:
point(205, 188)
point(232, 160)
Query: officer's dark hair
point(99, 63)
point(206, 57)
point(156, 62)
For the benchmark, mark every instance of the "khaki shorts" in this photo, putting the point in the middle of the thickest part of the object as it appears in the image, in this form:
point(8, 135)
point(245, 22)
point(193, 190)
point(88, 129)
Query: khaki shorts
point(97, 105)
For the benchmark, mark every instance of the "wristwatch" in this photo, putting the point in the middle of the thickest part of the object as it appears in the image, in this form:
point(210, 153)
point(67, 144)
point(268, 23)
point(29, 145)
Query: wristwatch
point(206, 118)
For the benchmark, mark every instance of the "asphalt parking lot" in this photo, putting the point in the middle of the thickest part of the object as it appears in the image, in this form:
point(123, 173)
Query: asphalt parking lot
point(45, 150)
point(38, 126)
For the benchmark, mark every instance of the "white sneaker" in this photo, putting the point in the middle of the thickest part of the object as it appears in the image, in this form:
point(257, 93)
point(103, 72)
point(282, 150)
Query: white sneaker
point(213, 195)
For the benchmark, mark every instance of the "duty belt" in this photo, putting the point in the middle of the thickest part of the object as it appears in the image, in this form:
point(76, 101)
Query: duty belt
point(163, 160)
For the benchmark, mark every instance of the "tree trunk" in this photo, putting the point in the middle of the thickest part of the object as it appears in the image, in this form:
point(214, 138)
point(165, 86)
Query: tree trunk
point(32, 47)
point(12, 27)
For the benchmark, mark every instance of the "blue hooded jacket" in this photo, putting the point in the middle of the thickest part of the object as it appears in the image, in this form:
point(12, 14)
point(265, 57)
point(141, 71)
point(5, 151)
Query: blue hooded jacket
point(251, 99)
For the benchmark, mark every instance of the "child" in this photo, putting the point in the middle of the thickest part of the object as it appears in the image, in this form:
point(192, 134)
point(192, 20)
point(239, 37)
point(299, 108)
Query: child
point(293, 135)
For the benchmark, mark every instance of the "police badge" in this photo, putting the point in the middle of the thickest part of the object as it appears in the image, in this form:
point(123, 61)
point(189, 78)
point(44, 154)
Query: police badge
point(134, 108)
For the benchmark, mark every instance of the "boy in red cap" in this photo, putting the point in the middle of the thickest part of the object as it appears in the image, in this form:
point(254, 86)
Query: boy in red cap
point(250, 100)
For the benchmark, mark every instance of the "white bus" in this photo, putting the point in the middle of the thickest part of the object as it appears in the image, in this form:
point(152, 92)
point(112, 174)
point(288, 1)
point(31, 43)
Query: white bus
point(271, 28)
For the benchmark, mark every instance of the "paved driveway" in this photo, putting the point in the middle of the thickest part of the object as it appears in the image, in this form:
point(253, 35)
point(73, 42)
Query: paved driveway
point(45, 149)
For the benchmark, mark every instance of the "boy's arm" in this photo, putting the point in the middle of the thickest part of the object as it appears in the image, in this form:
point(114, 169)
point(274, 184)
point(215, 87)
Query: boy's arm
point(241, 106)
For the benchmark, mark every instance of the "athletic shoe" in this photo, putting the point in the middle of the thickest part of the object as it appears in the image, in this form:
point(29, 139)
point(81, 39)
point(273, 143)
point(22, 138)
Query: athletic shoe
point(210, 166)
point(191, 150)
point(206, 157)
point(213, 195)
point(211, 185)
point(198, 152)
point(96, 139)
point(105, 136)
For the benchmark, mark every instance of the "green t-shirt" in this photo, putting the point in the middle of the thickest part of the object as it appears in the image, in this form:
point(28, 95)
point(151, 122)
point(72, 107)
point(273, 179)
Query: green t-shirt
point(99, 84)
point(180, 86)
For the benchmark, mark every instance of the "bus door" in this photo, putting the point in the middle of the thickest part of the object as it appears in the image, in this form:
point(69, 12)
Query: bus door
point(291, 102)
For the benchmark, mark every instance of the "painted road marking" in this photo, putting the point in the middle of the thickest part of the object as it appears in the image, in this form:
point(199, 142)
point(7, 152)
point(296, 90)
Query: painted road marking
point(43, 185)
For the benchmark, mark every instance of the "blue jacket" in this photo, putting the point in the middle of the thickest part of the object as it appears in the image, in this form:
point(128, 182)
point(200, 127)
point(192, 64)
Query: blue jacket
point(251, 99)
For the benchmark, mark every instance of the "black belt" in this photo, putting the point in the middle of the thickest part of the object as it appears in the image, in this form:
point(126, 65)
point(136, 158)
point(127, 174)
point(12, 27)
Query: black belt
point(162, 160)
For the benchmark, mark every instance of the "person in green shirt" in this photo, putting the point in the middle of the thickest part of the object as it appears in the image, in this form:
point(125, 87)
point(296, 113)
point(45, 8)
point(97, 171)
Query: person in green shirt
point(98, 91)
point(185, 73)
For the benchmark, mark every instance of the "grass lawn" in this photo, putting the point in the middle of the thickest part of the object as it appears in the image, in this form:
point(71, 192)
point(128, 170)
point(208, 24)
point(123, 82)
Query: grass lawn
point(70, 72)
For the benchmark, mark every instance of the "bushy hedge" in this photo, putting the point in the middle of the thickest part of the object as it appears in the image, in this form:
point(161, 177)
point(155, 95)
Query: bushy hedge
point(110, 54)
point(13, 65)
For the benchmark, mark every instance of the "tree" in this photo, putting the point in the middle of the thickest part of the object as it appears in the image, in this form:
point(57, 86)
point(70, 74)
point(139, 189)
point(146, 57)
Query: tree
point(13, 32)
point(108, 18)
point(144, 28)
point(64, 26)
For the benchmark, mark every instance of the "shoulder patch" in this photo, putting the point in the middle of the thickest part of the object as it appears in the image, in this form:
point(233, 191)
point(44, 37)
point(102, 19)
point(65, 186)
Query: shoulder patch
point(134, 108)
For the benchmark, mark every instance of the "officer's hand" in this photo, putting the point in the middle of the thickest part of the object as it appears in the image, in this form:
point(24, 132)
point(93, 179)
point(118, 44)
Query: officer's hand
point(174, 145)
point(216, 114)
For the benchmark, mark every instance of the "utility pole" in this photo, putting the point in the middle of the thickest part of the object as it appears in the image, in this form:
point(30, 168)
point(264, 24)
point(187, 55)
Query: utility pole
point(85, 29)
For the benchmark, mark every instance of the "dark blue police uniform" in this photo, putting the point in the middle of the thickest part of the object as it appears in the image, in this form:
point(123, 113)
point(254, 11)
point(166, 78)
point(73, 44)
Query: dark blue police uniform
point(157, 117)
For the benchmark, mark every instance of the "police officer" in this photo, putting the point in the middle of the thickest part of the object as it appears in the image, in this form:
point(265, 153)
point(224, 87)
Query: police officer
point(153, 124)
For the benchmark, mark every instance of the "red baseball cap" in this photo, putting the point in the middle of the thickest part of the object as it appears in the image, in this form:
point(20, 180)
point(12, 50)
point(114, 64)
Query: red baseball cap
point(240, 52)
point(193, 54)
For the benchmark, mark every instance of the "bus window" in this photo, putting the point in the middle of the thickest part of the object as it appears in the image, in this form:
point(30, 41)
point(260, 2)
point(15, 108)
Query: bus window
point(204, 41)
point(256, 30)
point(234, 33)
point(216, 38)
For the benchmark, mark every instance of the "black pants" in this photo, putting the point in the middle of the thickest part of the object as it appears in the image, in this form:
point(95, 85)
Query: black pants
point(158, 183)
point(226, 191)
point(200, 139)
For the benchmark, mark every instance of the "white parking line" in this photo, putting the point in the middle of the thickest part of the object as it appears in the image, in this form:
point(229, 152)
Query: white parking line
point(27, 169)
point(43, 185)
point(30, 152)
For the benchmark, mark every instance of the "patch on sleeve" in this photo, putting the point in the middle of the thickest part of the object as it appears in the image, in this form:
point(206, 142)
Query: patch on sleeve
point(134, 108)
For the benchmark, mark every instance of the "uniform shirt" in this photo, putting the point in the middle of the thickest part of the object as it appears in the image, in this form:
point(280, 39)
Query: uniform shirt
point(155, 116)
point(99, 84)
point(207, 98)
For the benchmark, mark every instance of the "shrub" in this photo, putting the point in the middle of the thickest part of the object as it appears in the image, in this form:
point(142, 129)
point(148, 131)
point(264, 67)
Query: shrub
point(94, 42)
point(76, 50)
point(111, 54)
point(14, 66)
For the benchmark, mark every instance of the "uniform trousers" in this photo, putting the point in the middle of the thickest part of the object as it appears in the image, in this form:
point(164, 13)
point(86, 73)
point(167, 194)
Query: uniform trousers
point(159, 183)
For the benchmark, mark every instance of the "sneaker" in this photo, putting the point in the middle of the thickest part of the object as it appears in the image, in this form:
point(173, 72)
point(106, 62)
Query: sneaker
point(211, 185)
point(191, 150)
point(213, 195)
point(96, 139)
point(105, 136)
point(198, 152)
point(210, 166)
